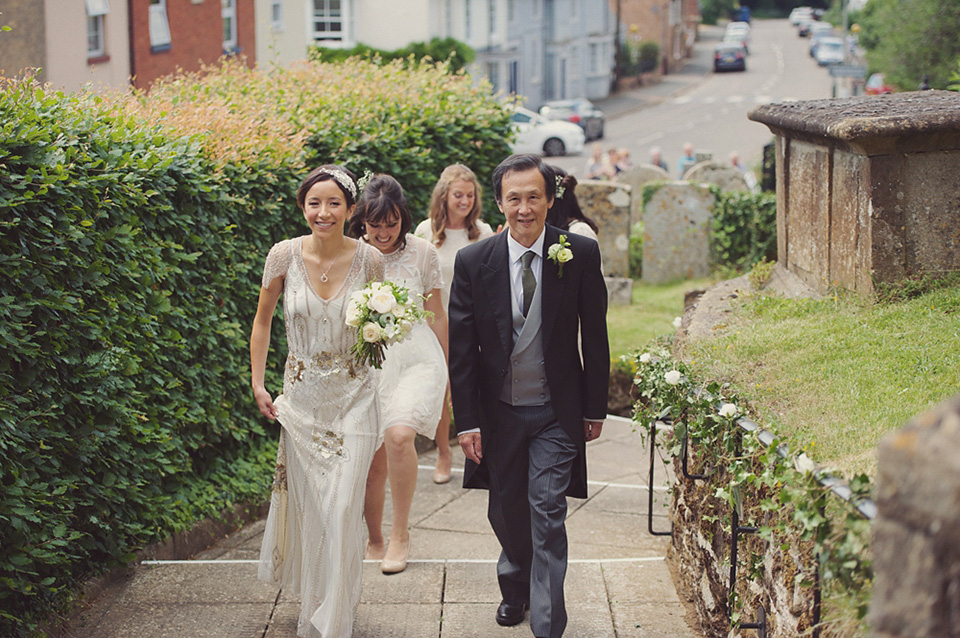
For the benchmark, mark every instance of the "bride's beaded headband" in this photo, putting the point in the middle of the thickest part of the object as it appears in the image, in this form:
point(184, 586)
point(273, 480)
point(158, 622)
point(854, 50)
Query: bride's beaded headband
point(342, 178)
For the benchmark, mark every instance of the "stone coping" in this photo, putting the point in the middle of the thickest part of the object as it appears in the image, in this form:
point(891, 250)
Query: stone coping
point(917, 121)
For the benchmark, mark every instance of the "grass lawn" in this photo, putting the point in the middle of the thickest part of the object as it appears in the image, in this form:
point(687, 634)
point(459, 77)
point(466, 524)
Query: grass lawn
point(650, 315)
point(836, 375)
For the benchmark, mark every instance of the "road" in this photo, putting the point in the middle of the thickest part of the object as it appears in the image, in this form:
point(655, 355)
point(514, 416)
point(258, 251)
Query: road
point(713, 114)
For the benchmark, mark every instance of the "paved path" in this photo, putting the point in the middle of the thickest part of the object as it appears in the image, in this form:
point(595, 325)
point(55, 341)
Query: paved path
point(618, 583)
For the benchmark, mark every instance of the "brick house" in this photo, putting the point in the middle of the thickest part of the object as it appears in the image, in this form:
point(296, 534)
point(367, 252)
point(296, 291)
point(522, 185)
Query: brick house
point(672, 24)
point(167, 35)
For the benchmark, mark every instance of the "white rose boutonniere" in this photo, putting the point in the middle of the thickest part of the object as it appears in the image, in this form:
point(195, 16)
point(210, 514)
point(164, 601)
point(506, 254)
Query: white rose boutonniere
point(560, 253)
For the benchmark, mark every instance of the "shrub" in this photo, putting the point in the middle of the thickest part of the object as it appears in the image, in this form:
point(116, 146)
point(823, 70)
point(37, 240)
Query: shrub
point(743, 229)
point(636, 251)
point(134, 229)
point(456, 54)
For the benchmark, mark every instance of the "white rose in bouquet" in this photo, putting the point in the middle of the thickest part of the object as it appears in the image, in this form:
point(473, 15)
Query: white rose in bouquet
point(371, 332)
point(382, 301)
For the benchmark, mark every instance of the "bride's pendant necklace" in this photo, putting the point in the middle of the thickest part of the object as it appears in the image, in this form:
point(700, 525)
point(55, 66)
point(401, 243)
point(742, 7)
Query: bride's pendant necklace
point(323, 275)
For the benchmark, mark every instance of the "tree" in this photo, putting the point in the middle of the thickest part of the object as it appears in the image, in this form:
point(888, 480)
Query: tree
point(907, 39)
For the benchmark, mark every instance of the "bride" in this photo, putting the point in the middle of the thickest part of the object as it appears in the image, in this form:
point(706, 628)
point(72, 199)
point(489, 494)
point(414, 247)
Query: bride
point(329, 409)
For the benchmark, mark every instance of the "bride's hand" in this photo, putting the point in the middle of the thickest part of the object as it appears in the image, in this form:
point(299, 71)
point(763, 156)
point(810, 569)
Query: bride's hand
point(265, 403)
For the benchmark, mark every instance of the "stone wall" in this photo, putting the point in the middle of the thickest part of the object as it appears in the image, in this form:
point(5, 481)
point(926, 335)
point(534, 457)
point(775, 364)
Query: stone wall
point(867, 187)
point(916, 535)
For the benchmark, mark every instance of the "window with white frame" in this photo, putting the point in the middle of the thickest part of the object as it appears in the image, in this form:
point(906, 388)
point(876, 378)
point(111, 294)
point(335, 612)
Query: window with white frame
point(159, 27)
point(511, 10)
point(330, 22)
point(448, 17)
point(228, 13)
point(276, 14)
point(96, 10)
point(594, 58)
point(492, 18)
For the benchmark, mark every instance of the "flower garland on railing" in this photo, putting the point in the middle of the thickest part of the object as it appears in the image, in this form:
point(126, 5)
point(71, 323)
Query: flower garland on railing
point(789, 482)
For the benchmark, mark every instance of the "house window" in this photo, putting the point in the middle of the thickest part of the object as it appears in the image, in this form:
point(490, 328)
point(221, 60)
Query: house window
point(594, 58)
point(514, 80)
point(276, 14)
point(228, 12)
point(448, 17)
point(159, 27)
point(96, 10)
point(493, 74)
point(492, 17)
point(329, 20)
point(511, 10)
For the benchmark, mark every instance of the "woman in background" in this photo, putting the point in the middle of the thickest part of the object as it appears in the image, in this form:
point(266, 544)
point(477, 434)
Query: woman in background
point(565, 213)
point(453, 222)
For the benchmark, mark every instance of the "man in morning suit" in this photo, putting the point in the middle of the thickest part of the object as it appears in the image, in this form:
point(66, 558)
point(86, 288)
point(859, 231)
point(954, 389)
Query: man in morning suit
point(524, 400)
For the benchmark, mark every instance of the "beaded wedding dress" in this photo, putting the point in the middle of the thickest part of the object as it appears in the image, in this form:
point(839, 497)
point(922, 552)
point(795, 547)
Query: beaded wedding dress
point(330, 416)
point(413, 380)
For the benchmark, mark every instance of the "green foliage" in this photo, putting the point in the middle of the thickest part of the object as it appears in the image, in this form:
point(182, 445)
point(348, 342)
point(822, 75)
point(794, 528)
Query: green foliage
point(713, 10)
point(132, 236)
point(764, 482)
point(639, 57)
point(744, 228)
point(907, 39)
point(761, 272)
point(955, 77)
point(636, 251)
point(456, 54)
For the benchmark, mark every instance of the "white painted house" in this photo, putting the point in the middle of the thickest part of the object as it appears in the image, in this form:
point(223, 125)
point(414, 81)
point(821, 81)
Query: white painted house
point(540, 49)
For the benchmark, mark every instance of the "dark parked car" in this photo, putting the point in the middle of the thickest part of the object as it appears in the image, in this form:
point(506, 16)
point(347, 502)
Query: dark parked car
point(729, 56)
point(580, 111)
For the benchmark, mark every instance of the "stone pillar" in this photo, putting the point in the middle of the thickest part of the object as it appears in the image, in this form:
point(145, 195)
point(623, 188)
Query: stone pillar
point(867, 187)
point(916, 535)
point(676, 232)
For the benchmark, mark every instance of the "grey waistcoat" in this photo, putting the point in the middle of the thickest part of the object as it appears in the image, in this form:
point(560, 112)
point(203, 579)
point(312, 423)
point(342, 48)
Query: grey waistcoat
point(526, 380)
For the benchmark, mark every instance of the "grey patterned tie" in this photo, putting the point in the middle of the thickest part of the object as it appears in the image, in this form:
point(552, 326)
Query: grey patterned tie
point(527, 280)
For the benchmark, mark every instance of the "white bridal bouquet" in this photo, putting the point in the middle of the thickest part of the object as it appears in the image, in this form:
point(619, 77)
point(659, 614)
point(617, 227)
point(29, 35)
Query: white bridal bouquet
point(382, 314)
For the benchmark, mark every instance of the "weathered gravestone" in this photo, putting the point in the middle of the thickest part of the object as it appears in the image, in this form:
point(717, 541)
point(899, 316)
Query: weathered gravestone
point(916, 535)
point(608, 204)
point(636, 177)
point(867, 187)
point(676, 232)
point(711, 172)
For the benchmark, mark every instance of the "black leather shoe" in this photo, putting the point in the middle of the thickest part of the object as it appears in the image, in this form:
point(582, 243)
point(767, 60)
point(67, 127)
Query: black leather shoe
point(509, 615)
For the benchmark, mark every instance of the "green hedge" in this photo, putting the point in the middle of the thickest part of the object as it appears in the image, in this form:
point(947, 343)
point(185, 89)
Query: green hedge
point(134, 230)
point(457, 54)
point(744, 229)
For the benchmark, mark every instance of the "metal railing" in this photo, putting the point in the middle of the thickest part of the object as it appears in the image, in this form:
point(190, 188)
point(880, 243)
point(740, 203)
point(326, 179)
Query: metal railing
point(864, 506)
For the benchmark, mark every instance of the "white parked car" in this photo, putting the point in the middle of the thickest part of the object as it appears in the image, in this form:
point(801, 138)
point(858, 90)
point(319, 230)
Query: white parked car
point(537, 134)
point(829, 51)
point(800, 14)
